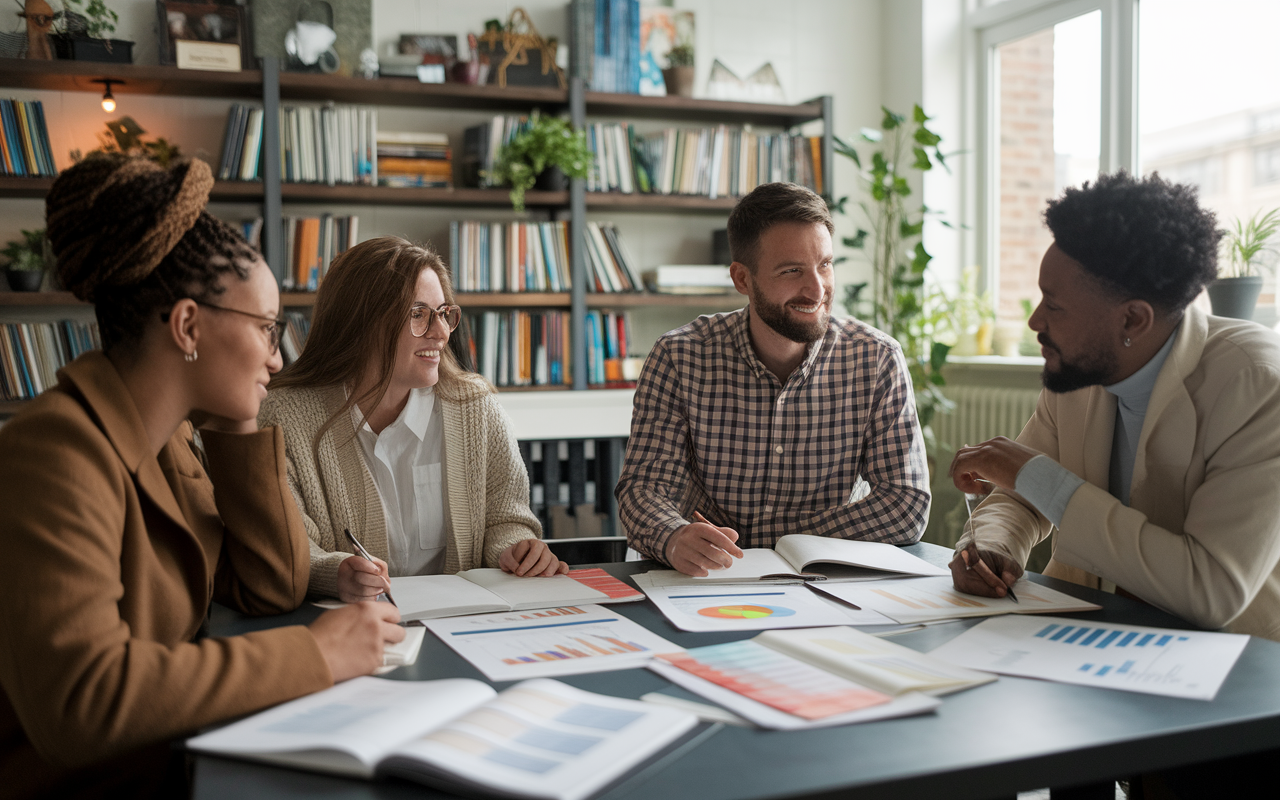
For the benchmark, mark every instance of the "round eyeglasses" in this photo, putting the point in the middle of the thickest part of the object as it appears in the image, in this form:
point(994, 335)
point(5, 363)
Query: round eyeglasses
point(422, 318)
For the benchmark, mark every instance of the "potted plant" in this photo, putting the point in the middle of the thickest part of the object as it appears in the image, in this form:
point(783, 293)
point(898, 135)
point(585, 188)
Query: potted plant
point(1235, 292)
point(85, 34)
point(967, 317)
point(26, 261)
point(679, 72)
point(544, 145)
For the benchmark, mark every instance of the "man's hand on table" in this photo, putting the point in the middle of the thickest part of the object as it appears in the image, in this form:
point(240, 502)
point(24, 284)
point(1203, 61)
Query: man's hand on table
point(700, 547)
point(983, 572)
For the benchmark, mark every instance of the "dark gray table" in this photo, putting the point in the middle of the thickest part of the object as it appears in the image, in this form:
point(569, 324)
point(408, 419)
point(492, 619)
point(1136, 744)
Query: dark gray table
point(993, 741)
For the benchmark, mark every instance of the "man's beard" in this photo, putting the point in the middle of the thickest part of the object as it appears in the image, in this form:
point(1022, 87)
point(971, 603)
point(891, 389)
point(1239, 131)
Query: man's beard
point(1095, 370)
point(776, 317)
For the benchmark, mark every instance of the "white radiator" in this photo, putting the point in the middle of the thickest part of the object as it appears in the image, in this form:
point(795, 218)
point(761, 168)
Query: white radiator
point(983, 412)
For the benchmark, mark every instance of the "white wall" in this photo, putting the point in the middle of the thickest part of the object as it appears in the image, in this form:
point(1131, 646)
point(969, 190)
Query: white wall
point(817, 47)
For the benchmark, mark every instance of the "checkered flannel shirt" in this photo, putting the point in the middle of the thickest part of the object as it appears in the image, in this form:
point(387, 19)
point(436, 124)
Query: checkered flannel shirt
point(835, 451)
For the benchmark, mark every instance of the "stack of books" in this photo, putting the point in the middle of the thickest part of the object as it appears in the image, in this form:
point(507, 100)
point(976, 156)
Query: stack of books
point(24, 140)
point(689, 279)
point(608, 340)
point(31, 353)
point(410, 159)
point(481, 145)
point(522, 348)
point(610, 268)
point(510, 256)
point(311, 245)
point(714, 162)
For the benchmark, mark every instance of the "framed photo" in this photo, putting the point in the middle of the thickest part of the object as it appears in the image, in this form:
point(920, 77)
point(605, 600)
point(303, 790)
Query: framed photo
point(210, 35)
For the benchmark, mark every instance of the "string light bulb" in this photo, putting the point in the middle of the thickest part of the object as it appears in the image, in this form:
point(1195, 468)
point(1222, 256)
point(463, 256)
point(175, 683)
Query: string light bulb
point(108, 99)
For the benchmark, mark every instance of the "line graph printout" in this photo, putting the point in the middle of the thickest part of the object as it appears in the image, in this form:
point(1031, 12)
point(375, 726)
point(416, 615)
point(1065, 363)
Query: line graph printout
point(753, 608)
point(909, 600)
point(1176, 663)
point(561, 641)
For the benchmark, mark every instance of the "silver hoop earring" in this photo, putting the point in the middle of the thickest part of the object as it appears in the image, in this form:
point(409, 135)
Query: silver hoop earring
point(191, 357)
point(1127, 342)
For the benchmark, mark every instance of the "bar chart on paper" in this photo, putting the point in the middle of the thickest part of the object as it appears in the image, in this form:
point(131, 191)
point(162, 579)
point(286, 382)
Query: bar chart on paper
point(1177, 663)
point(558, 641)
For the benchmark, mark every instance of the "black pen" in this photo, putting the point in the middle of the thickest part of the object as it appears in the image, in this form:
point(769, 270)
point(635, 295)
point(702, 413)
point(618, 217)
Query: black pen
point(365, 555)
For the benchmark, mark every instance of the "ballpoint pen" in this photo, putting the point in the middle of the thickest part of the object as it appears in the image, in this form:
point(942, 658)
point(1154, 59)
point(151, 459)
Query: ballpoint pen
point(968, 505)
point(365, 555)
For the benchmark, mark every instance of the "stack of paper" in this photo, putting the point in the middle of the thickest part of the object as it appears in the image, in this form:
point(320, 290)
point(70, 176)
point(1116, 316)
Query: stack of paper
point(909, 600)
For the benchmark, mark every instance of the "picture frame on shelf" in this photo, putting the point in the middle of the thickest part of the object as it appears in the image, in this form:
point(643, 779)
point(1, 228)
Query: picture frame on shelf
point(207, 36)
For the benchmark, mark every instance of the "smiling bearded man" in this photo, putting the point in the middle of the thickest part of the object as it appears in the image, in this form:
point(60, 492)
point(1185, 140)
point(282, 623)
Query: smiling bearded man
point(775, 419)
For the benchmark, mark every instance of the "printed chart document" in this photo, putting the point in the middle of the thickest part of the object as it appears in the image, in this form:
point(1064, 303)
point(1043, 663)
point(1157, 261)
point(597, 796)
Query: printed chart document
point(559, 641)
point(752, 608)
point(538, 739)
point(776, 690)
point(802, 557)
point(910, 600)
point(477, 591)
point(1176, 663)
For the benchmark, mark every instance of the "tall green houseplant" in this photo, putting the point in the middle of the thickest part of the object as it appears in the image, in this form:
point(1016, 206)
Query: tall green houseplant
point(894, 246)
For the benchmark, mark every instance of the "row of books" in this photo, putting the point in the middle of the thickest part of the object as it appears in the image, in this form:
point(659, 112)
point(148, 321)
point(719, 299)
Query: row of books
point(522, 348)
point(509, 256)
point(412, 159)
point(607, 42)
point(481, 144)
point(31, 353)
point(24, 140)
point(610, 268)
point(331, 144)
point(311, 244)
point(714, 162)
point(608, 336)
point(294, 336)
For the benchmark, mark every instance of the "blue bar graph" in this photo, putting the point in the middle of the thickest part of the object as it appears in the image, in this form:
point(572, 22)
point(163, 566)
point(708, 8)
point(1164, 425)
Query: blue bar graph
point(1125, 666)
point(1104, 670)
point(1145, 639)
point(1128, 637)
point(1163, 640)
point(1079, 632)
point(1108, 639)
point(1066, 629)
point(1046, 631)
point(1091, 638)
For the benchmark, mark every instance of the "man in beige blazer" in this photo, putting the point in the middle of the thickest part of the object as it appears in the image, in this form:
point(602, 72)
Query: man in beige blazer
point(1155, 447)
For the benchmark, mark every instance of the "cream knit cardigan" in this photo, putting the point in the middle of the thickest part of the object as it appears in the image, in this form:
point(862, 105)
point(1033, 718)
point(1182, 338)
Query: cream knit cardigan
point(488, 488)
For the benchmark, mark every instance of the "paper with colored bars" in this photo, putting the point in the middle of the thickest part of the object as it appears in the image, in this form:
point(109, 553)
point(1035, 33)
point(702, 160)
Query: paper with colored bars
point(926, 599)
point(752, 608)
point(558, 641)
point(1175, 663)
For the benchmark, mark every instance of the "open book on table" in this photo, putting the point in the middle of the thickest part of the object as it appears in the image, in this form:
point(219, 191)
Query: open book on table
point(803, 557)
point(538, 739)
point(481, 591)
point(816, 677)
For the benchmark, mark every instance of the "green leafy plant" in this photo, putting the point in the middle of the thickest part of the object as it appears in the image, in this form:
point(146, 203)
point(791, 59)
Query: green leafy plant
point(960, 315)
point(124, 135)
point(100, 21)
point(1247, 241)
point(896, 251)
point(680, 56)
point(26, 254)
point(544, 143)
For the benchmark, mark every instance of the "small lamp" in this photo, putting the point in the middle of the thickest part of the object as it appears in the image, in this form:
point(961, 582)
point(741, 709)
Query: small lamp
point(108, 100)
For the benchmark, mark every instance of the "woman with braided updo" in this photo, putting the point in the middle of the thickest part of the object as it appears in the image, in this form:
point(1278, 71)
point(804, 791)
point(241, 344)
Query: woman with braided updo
point(121, 531)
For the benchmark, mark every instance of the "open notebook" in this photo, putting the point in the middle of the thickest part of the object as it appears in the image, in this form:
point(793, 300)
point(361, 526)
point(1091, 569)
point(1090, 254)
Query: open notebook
point(538, 739)
point(803, 557)
point(481, 591)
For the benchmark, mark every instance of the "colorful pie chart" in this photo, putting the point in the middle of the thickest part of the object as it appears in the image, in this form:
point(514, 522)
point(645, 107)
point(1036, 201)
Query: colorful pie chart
point(745, 612)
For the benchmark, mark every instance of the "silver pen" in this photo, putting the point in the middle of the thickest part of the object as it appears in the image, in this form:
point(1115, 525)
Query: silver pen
point(365, 555)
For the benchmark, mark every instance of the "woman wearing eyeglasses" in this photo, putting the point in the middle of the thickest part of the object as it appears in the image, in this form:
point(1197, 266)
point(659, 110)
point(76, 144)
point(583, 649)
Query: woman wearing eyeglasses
point(122, 530)
point(388, 437)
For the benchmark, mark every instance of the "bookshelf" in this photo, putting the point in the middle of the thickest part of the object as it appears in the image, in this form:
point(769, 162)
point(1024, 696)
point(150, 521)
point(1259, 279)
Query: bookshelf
point(270, 86)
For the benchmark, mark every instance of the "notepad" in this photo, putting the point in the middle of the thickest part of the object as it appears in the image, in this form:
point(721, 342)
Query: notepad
point(480, 591)
point(803, 557)
point(538, 739)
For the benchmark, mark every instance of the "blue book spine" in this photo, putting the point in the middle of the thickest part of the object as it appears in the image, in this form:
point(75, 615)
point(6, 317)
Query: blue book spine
point(633, 46)
point(13, 138)
point(43, 130)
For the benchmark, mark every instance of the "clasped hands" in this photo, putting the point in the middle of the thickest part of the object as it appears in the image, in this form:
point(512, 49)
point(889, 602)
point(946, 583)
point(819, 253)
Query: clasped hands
point(976, 470)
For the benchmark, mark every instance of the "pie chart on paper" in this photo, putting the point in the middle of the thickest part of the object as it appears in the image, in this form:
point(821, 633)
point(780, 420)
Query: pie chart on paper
point(745, 612)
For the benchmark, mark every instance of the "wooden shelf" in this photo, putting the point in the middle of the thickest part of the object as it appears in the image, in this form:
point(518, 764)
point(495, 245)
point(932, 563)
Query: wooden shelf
point(39, 299)
point(653, 299)
point(548, 388)
point(409, 92)
point(618, 201)
point(10, 407)
point(387, 195)
point(24, 187)
point(470, 300)
point(689, 108)
point(78, 76)
point(38, 188)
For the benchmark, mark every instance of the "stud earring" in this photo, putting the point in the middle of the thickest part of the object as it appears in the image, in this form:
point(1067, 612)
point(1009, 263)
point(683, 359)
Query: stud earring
point(1127, 342)
point(191, 357)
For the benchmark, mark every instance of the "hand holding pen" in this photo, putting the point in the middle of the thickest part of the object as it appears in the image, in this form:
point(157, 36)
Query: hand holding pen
point(362, 578)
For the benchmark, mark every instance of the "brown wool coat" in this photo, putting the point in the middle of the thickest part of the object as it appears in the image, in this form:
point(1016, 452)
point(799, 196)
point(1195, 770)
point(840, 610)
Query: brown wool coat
point(112, 559)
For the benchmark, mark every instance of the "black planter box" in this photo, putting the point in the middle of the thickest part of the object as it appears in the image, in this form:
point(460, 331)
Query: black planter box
point(79, 48)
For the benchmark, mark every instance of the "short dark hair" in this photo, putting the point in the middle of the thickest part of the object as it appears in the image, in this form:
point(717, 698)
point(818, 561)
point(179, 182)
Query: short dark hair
point(768, 205)
point(1147, 238)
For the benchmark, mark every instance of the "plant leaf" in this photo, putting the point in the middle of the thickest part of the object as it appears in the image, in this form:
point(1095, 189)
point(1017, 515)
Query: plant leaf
point(919, 116)
point(927, 137)
point(891, 120)
point(922, 159)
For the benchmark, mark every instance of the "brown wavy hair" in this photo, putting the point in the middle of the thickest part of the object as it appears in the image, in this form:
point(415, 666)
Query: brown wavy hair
point(360, 310)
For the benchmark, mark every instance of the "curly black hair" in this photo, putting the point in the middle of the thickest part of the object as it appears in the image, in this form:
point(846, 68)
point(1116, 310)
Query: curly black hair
point(1145, 238)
